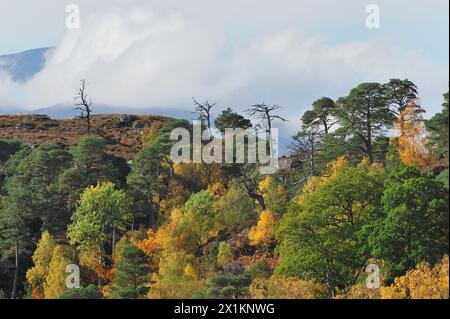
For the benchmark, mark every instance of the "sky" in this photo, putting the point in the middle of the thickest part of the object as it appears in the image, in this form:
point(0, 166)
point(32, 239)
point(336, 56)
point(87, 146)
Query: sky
point(161, 53)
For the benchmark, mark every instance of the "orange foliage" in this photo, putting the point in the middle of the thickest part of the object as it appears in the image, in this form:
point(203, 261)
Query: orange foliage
point(412, 142)
point(263, 233)
point(423, 282)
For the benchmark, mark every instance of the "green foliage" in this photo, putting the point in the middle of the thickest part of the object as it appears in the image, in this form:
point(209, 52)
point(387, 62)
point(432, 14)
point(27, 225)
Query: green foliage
point(230, 119)
point(438, 128)
point(150, 174)
point(318, 234)
point(101, 209)
point(88, 292)
point(233, 283)
point(415, 227)
point(234, 208)
point(225, 254)
point(131, 274)
point(260, 269)
point(200, 215)
point(91, 165)
point(365, 114)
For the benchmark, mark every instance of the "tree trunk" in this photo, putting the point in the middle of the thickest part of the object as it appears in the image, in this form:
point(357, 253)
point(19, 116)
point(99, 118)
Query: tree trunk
point(16, 273)
point(260, 200)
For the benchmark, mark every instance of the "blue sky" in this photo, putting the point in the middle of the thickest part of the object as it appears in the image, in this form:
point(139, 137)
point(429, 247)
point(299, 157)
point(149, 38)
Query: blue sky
point(288, 52)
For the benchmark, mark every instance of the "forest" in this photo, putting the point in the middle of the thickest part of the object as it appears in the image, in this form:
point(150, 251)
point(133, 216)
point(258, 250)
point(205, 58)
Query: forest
point(365, 183)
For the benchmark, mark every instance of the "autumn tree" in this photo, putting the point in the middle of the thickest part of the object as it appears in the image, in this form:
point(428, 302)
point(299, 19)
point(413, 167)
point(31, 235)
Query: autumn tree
point(412, 140)
point(55, 283)
point(422, 282)
point(37, 275)
point(263, 233)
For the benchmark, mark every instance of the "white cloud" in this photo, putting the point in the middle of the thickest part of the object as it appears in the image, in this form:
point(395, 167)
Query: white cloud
point(138, 57)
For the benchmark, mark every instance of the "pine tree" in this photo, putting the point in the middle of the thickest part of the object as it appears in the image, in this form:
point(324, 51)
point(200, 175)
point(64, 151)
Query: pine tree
point(131, 274)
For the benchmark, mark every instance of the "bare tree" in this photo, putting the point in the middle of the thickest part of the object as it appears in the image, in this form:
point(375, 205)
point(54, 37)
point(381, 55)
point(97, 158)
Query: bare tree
point(204, 112)
point(83, 104)
point(263, 113)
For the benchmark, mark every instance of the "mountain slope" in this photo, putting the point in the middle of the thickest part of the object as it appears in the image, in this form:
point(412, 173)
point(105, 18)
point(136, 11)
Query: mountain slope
point(23, 65)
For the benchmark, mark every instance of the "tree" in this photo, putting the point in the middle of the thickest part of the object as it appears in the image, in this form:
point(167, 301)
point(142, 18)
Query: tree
point(42, 257)
point(412, 141)
point(131, 274)
point(264, 114)
point(200, 215)
point(439, 129)
point(422, 282)
point(204, 112)
point(232, 120)
point(101, 212)
point(150, 175)
point(231, 283)
point(263, 233)
point(275, 195)
point(36, 176)
point(91, 165)
point(365, 114)
point(225, 254)
point(318, 235)
point(55, 283)
point(15, 233)
point(399, 94)
point(415, 227)
point(7, 150)
point(83, 104)
point(321, 117)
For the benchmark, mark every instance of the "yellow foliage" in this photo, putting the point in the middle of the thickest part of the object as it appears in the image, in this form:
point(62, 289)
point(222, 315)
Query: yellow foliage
point(360, 291)
point(177, 277)
point(225, 254)
point(42, 257)
point(55, 283)
point(263, 233)
point(423, 282)
point(150, 132)
point(412, 142)
point(279, 287)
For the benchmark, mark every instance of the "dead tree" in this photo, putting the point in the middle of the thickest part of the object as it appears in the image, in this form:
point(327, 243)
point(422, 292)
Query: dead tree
point(83, 104)
point(204, 112)
point(264, 114)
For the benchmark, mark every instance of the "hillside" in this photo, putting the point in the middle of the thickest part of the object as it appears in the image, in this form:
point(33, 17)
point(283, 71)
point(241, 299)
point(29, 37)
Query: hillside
point(122, 132)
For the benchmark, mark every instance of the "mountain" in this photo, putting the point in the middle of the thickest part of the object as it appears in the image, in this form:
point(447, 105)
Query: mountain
point(24, 65)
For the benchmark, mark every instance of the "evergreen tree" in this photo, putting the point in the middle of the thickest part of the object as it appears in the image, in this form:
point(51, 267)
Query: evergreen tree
point(131, 274)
